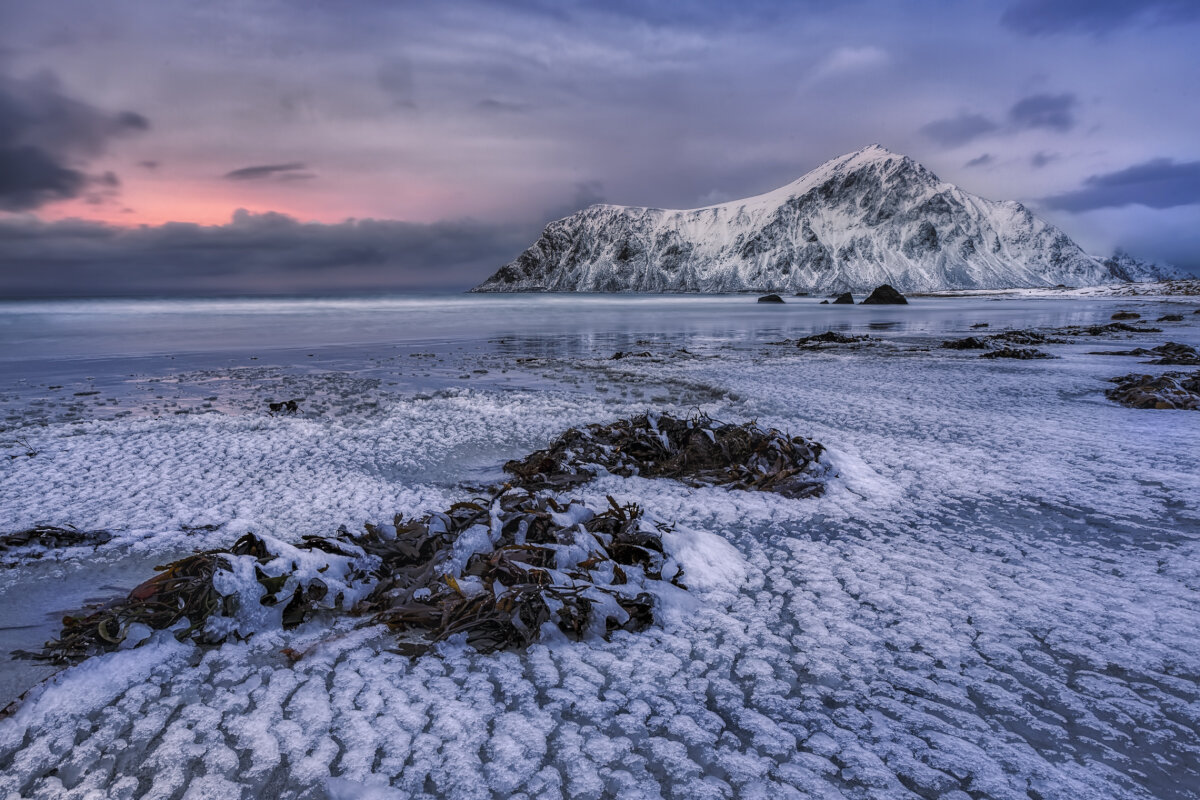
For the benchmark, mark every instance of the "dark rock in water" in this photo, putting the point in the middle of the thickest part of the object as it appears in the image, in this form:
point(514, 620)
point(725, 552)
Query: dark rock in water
point(1016, 352)
point(844, 299)
point(800, 294)
point(1126, 315)
point(824, 302)
point(1178, 390)
point(1197, 311)
point(969, 343)
point(829, 337)
point(885, 295)
point(979, 325)
point(1061, 286)
point(698, 451)
point(770, 298)
point(617, 356)
point(1170, 318)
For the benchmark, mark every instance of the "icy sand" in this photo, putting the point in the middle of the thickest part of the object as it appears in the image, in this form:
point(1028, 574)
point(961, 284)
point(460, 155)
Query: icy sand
point(998, 597)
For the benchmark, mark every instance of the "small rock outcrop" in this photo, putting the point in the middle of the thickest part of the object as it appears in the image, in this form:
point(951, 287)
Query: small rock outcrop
point(844, 299)
point(885, 295)
point(1126, 315)
point(770, 298)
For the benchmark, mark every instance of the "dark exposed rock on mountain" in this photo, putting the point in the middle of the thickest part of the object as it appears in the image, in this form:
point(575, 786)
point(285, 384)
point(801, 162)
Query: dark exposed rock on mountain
point(855, 222)
point(883, 296)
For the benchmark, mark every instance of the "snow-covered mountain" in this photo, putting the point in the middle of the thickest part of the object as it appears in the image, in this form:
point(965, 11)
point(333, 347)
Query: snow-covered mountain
point(1127, 268)
point(855, 222)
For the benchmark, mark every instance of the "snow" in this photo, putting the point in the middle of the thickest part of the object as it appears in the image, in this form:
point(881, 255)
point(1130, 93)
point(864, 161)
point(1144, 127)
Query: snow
point(997, 597)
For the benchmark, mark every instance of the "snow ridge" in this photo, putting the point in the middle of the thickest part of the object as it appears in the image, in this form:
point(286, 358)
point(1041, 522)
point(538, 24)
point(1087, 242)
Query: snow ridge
point(866, 218)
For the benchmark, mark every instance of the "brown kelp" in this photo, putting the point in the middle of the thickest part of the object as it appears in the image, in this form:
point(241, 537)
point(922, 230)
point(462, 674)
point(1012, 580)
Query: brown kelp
point(496, 569)
point(214, 594)
point(697, 450)
point(528, 561)
point(1167, 391)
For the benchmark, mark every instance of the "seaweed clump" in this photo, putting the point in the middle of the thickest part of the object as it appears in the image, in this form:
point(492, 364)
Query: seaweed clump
point(500, 571)
point(1169, 354)
point(496, 570)
point(1177, 390)
point(214, 594)
point(1022, 353)
point(34, 542)
point(828, 337)
point(698, 451)
point(969, 343)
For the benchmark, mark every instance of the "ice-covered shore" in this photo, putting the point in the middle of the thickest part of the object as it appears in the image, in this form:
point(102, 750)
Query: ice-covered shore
point(996, 597)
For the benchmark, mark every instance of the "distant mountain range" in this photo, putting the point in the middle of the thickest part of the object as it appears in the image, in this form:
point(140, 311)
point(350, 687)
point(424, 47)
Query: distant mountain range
point(855, 222)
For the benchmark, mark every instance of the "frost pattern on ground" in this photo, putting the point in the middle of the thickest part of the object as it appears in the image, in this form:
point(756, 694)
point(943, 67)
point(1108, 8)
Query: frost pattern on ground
point(998, 597)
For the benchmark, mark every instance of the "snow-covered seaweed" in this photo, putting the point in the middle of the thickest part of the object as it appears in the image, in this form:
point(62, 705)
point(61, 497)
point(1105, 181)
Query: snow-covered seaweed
point(1170, 390)
point(698, 450)
point(36, 541)
point(497, 570)
point(215, 594)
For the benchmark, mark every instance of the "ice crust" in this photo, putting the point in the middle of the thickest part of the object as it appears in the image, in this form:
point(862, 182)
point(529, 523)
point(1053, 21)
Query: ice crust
point(998, 596)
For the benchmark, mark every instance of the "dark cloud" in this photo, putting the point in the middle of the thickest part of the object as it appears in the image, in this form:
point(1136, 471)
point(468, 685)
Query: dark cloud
point(254, 253)
point(980, 161)
point(1052, 111)
point(267, 171)
point(1043, 17)
point(1159, 183)
point(47, 139)
point(956, 131)
point(492, 104)
point(395, 78)
point(1041, 159)
point(586, 193)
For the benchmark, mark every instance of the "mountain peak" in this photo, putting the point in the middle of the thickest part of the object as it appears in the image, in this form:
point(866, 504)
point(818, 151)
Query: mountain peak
point(857, 221)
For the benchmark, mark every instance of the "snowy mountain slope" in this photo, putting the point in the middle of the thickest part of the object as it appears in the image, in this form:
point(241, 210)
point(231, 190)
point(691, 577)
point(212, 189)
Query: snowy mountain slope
point(855, 222)
point(1127, 268)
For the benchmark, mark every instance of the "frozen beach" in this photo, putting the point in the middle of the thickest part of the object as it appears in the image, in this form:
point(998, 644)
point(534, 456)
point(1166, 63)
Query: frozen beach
point(997, 596)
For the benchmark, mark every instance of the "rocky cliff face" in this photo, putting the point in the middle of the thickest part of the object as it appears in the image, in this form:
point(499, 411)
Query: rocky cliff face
point(858, 221)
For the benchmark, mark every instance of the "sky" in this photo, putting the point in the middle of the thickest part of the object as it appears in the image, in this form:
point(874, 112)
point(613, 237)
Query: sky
point(256, 146)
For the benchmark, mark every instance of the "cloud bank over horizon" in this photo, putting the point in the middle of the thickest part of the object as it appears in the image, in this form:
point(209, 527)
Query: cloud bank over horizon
point(514, 113)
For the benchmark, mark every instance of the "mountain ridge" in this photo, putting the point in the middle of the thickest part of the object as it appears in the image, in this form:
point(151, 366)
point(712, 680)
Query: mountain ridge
point(856, 221)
